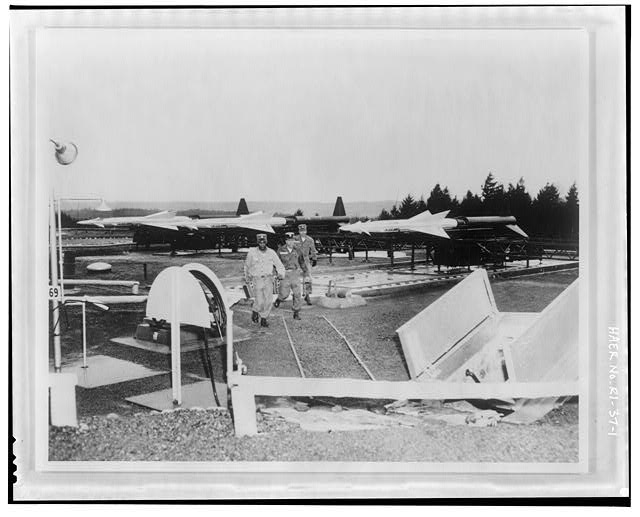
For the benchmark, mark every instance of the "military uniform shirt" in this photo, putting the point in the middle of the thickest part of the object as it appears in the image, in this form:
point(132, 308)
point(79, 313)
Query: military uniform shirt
point(292, 259)
point(308, 248)
point(261, 263)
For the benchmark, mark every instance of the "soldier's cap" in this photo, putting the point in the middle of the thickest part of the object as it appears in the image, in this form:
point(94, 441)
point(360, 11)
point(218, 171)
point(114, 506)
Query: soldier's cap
point(289, 235)
point(302, 227)
point(261, 237)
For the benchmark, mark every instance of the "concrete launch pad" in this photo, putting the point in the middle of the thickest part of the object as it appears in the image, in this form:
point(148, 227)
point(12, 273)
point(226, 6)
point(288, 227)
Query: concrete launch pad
point(376, 281)
point(196, 395)
point(103, 370)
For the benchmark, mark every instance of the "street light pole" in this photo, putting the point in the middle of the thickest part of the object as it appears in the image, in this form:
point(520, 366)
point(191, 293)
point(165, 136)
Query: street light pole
point(65, 154)
point(55, 301)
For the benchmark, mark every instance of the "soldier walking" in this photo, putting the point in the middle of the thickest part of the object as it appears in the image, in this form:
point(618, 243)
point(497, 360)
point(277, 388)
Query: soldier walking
point(291, 257)
point(310, 255)
point(258, 272)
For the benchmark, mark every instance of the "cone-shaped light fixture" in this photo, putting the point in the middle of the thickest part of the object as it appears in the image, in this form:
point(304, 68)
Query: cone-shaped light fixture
point(66, 152)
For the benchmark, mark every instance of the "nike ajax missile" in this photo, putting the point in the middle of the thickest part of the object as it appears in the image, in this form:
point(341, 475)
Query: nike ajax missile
point(431, 224)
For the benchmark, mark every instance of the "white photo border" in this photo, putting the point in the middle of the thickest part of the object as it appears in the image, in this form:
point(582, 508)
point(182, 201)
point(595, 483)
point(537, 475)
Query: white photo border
point(602, 466)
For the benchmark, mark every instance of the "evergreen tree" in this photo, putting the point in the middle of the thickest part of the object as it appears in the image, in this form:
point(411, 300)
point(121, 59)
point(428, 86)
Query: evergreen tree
point(384, 215)
point(395, 213)
point(545, 211)
point(572, 213)
point(489, 187)
point(439, 200)
point(455, 207)
point(422, 206)
point(298, 212)
point(572, 195)
point(408, 207)
point(494, 201)
point(66, 220)
point(518, 203)
point(470, 205)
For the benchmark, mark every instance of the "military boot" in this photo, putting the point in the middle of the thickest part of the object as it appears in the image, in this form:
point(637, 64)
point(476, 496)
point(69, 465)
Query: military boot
point(264, 322)
point(276, 304)
point(296, 315)
point(306, 299)
point(255, 317)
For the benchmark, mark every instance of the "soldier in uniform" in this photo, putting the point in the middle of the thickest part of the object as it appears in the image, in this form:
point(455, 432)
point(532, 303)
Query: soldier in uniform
point(310, 255)
point(293, 261)
point(258, 272)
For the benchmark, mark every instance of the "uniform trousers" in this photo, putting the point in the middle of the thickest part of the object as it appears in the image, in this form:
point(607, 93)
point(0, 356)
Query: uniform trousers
point(307, 282)
point(291, 284)
point(263, 294)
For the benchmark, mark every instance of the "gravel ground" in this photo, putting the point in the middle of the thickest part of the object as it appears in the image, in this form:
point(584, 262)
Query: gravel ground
point(193, 435)
point(133, 433)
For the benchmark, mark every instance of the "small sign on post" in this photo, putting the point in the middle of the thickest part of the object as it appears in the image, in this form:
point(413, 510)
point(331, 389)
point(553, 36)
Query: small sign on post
point(54, 292)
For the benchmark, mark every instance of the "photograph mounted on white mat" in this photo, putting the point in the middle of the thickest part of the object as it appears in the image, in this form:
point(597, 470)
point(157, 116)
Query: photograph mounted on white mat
point(359, 241)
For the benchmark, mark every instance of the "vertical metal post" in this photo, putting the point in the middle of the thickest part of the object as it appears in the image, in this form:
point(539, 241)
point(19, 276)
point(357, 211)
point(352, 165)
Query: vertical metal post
point(229, 344)
point(60, 256)
point(413, 256)
point(55, 302)
point(144, 271)
point(84, 334)
point(176, 376)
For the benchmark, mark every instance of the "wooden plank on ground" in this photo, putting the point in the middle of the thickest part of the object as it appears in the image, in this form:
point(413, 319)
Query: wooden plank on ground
point(436, 390)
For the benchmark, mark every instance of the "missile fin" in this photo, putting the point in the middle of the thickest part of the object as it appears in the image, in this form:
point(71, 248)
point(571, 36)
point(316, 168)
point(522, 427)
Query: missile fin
point(422, 215)
point(436, 231)
point(267, 228)
point(165, 214)
point(441, 215)
point(254, 215)
point(161, 225)
point(517, 229)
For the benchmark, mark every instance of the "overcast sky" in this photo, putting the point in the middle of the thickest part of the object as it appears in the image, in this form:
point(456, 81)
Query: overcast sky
point(306, 115)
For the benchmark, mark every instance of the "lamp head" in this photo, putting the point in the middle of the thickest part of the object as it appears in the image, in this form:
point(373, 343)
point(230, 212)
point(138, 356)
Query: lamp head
point(66, 152)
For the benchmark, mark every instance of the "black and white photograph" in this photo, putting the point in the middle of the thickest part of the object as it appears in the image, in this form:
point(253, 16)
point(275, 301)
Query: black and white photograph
point(320, 242)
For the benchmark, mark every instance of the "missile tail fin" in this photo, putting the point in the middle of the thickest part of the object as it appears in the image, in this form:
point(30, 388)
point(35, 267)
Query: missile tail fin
point(165, 214)
point(436, 231)
point(441, 215)
point(518, 230)
point(422, 215)
point(254, 215)
point(262, 228)
point(161, 225)
point(243, 209)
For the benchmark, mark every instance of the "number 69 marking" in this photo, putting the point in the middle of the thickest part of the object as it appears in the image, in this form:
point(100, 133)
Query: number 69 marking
point(54, 293)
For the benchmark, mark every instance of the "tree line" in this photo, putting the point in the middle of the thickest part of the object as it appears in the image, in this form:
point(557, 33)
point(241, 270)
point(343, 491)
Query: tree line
point(548, 215)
